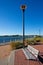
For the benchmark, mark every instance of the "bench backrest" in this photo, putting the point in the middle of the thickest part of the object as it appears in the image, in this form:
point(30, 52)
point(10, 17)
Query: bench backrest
point(33, 51)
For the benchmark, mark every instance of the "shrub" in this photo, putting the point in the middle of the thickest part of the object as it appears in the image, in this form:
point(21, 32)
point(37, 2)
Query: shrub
point(37, 39)
point(16, 45)
point(12, 45)
point(30, 41)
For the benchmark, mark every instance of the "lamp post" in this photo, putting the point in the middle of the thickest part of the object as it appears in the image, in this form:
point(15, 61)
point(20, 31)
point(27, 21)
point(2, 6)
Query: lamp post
point(23, 7)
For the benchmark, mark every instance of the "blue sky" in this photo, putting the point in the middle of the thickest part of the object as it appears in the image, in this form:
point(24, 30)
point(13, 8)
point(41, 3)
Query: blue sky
point(11, 17)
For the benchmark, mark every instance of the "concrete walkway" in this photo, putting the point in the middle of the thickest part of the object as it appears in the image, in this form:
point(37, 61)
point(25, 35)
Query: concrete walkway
point(4, 61)
point(11, 58)
point(8, 60)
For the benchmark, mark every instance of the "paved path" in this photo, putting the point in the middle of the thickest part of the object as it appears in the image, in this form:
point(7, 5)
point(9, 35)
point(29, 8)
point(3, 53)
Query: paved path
point(11, 58)
point(20, 59)
point(8, 60)
point(4, 61)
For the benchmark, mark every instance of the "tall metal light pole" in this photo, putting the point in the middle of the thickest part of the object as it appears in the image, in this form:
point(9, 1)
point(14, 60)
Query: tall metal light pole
point(23, 7)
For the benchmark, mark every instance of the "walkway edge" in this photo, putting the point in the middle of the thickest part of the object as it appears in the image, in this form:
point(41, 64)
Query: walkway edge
point(11, 58)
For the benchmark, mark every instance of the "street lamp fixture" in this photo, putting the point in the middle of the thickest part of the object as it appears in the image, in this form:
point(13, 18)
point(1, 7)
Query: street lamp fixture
point(23, 7)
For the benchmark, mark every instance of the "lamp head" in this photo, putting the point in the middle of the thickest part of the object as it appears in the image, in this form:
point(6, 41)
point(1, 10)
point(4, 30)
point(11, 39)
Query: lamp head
point(23, 7)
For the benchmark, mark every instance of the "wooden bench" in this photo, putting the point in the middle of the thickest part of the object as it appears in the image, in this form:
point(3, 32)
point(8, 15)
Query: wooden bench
point(33, 51)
